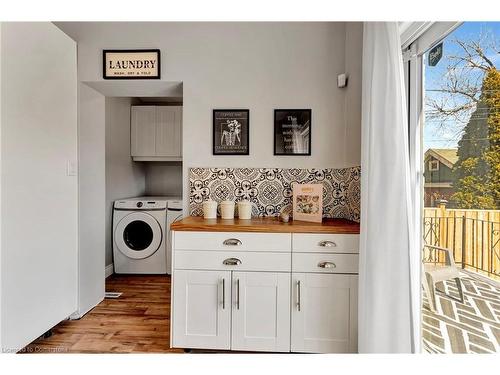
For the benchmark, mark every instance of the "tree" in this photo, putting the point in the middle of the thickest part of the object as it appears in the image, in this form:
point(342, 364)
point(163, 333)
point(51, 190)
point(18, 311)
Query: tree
point(460, 89)
point(470, 94)
point(491, 92)
point(477, 171)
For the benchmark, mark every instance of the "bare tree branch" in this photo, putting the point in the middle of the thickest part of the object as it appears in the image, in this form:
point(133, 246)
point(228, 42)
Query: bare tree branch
point(456, 98)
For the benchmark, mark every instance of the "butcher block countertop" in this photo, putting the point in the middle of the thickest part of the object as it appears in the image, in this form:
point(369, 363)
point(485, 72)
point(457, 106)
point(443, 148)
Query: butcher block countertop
point(268, 225)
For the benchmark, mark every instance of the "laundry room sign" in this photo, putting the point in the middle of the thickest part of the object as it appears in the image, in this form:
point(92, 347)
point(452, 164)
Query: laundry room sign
point(131, 64)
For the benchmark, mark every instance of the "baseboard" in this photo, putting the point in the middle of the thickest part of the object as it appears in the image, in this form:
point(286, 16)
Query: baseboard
point(108, 271)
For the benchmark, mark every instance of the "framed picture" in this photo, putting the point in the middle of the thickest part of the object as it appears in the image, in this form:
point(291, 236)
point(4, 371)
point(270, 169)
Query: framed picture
point(307, 202)
point(292, 132)
point(131, 64)
point(230, 131)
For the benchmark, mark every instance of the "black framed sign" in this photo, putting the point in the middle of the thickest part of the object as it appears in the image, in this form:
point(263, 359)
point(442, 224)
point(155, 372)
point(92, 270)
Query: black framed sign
point(292, 132)
point(131, 64)
point(230, 131)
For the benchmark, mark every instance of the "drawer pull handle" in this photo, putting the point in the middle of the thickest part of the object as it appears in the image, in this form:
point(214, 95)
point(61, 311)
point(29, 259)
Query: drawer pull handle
point(327, 244)
point(231, 262)
point(298, 295)
point(232, 242)
point(327, 265)
point(223, 294)
point(238, 294)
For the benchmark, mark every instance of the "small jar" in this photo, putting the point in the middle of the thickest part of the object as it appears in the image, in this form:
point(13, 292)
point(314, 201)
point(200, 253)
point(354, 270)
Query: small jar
point(227, 209)
point(245, 210)
point(210, 209)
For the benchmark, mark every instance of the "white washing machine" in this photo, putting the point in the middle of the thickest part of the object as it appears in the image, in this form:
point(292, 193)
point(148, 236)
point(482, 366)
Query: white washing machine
point(174, 213)
point(141, 235)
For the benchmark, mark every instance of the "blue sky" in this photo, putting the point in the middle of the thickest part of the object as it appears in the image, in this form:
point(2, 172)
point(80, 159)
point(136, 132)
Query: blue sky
point(435, 135)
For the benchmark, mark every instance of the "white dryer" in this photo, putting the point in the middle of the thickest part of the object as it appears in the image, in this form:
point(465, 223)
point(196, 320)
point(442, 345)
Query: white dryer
point(140, 236)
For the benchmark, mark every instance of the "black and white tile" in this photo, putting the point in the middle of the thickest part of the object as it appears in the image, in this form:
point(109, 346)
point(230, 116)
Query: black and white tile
point(270, 189)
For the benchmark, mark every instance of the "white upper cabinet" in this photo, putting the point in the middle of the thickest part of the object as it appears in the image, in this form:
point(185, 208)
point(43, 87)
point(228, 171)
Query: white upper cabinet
point(143, 136)
point(168, 131)
point(156, 133)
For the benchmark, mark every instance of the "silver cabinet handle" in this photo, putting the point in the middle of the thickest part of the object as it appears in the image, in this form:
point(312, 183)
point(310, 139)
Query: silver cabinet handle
point(298, 295)
point(223, 294)
point(232, 242)
point(231, 262)
point(327, 265)
point(327, 243)
point(238, 294)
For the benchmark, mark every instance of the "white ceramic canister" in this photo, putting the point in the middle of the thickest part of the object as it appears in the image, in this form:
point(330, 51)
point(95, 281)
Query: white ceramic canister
point(227, 209)
point(210, 209)
point(245, 210)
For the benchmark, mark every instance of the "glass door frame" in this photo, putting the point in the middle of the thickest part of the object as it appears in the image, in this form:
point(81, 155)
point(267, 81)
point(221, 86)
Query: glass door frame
point(413, 60)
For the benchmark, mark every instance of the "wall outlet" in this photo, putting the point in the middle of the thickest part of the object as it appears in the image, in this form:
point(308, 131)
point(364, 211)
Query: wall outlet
point(342, 80)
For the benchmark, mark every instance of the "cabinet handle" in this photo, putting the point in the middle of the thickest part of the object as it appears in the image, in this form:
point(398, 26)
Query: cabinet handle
point(327, 243)
point(231, 262)
point(298, 295)
point(223, 294)
point(232, 242)
point(327, 265)
point(238, 294)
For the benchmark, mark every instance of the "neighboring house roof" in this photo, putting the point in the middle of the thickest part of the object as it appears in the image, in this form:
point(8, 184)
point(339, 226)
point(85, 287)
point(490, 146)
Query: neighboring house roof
point(447, 156)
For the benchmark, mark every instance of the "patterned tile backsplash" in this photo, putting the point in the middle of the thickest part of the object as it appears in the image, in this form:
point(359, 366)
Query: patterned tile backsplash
point(270, 189)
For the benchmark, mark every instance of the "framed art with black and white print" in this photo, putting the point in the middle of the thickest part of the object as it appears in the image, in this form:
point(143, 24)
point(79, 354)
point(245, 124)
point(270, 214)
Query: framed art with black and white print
point(231, 131)
point(292, 132)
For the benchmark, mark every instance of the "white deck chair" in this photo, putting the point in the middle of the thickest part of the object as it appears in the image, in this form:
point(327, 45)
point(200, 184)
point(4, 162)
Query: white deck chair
point(435, 272)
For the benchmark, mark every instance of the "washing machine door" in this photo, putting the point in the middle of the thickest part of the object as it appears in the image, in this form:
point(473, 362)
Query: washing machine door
point(138, 235)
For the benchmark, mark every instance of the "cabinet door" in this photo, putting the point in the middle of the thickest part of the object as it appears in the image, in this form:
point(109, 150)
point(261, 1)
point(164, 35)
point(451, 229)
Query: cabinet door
point(202, 309)
point(169, 131)
point(261, 311)
point(143, 130)
point(324, 313)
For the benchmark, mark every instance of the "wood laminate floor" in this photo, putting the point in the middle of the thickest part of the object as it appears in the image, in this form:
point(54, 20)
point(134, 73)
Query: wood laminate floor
point(139, 320)
point(136, 322)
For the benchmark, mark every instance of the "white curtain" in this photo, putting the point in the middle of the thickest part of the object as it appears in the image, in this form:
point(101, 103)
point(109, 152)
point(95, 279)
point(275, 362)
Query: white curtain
point(389, 287)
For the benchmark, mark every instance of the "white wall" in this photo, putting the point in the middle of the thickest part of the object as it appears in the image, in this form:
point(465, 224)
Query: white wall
point(91, 198)
point(353, 67)
point(259, 66)
point(1, 180)
point(124, 178)
point(39, 243)
point(164, 178)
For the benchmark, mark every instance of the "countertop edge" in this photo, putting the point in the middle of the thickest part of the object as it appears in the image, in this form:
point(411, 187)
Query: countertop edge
point(271, 225)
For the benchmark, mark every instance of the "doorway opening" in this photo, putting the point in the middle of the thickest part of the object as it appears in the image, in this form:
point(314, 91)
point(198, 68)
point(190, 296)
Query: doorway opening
point(461, 215)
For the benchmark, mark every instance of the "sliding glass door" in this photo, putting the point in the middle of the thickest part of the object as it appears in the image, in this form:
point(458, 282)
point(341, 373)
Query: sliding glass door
point(454, 105)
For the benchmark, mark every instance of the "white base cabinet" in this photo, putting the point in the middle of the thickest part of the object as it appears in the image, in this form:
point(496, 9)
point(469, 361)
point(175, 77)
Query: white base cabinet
point(256, 305)
point(202, 309)
point(234, 291)
point(324, 315)
point(261, 311)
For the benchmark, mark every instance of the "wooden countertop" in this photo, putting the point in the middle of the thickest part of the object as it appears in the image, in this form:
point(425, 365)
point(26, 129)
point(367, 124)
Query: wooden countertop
point(272, 225)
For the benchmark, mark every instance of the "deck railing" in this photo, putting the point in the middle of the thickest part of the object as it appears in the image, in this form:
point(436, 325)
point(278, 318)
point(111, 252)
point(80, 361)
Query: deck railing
point(472, 235)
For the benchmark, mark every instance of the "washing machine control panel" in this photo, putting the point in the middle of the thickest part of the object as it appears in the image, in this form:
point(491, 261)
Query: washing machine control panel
point(140, 205)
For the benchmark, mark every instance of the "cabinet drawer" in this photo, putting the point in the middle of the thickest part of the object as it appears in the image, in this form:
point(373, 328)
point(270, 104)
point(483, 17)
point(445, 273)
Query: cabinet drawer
point(325, 243)
point(325, 263)
point(248, 261)
point(231, 241)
